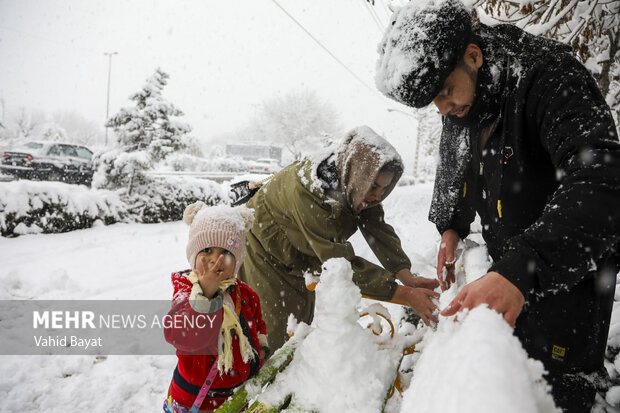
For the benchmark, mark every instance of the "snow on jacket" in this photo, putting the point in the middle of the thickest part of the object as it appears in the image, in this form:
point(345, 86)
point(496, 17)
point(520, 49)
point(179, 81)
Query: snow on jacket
point(547, 189)
point(303, 217)
point(192, 369)
point(314, 226)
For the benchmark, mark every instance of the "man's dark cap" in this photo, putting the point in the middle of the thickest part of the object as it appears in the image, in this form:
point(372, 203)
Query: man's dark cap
point(422, 46)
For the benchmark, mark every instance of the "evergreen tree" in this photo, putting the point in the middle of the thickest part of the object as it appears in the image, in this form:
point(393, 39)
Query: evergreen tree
point(150, 125)
point(147, 133)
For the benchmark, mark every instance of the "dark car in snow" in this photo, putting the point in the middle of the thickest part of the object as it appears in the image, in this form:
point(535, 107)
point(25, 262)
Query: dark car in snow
point(52, 161)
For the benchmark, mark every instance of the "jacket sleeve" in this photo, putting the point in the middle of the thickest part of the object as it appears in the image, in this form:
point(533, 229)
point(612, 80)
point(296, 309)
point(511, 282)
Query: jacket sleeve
point(464, 211)
point(323, 231)
point(192, 324)
point(383, 240)
point(580, 224)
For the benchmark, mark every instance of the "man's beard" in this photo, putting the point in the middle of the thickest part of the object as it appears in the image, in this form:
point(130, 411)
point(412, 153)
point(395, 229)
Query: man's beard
point(485, 106)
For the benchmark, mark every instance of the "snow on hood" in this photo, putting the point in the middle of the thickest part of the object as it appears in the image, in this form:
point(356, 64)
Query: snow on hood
point(359, 157)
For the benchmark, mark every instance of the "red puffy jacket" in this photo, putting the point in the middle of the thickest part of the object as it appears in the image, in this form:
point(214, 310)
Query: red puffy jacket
point(192, 369)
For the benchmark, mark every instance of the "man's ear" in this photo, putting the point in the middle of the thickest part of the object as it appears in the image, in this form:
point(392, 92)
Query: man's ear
point(473, 56)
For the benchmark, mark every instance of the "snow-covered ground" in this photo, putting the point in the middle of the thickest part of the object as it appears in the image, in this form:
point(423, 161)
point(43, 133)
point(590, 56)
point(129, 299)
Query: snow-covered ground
point(134, 261)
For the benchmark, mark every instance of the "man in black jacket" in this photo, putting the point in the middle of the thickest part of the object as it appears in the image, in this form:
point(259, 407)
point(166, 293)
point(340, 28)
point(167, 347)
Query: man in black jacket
point(529, 144)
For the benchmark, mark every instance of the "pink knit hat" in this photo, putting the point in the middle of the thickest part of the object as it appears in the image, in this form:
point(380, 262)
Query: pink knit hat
point(219, 226)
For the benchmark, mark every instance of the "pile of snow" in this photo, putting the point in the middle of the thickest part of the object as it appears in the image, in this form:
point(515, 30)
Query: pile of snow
point(481, 346)
point(365, 369)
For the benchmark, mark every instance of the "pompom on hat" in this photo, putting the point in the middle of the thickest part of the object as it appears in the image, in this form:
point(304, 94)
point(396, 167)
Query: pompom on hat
point(423, 45)
point(218, 226)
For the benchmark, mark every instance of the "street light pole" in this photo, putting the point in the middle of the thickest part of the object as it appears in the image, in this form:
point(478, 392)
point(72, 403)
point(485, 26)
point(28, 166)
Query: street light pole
point(417, 138)
point(107, 111)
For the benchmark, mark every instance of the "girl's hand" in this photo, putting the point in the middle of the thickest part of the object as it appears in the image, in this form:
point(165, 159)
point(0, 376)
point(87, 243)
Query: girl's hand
point(210, 273)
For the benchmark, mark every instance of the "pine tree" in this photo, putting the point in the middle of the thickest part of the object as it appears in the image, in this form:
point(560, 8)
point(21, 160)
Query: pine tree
point(150, 126)
point(147, 133)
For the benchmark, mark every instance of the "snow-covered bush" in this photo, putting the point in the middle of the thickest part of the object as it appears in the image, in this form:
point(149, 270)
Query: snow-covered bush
point(188, 163)
point(157, 199)
point(29, 207)
point(115, 168)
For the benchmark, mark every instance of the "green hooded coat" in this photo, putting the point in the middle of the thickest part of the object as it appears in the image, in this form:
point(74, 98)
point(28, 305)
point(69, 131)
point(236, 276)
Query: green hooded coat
point(299, 225)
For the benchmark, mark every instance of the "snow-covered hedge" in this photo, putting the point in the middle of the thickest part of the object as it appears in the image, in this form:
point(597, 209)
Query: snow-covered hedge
point(30, 207)
point(164, 199)
point(189, 163)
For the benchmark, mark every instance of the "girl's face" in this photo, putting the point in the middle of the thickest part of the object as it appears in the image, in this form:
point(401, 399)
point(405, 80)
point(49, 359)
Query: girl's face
point(375, 194)
point(205, 260)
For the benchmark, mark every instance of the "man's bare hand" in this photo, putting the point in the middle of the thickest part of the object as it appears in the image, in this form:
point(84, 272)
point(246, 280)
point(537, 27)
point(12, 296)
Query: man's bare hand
point(491, 289)
point(420, 300)
point(446, 258)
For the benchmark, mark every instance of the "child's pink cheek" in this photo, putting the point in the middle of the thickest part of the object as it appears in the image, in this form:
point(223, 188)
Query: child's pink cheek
point(229, 260)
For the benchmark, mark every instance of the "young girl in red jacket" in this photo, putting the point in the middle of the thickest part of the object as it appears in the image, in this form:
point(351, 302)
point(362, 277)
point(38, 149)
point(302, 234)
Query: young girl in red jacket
point(213, 360)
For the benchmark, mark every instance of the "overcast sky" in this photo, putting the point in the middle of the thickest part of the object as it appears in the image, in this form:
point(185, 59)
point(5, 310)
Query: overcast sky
point(224, 58)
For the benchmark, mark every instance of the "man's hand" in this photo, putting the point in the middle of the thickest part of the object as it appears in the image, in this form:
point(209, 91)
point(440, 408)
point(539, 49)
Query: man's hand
point(445, 258)
point(407, 278)
point(210, 274)
point(491, 289)
point(420, 300)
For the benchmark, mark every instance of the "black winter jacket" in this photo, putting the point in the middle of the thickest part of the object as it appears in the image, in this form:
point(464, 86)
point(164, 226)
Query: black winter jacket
point(547, 189)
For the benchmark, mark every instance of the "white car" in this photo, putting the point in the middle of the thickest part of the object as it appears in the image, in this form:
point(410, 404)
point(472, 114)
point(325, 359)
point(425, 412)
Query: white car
point(264, 166)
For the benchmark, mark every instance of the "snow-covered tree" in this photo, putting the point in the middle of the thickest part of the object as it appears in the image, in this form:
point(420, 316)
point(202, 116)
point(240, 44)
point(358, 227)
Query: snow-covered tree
point(591, 27)
point(22, 125)
point(147, 133)
point(299, 121)
point(79, 129)
point(53, 132)
point(150, 125)
point(32, 124)
point(428, 136)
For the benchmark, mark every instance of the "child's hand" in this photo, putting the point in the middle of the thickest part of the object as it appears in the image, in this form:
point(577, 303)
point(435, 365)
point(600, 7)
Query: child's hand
point(420, 299)
point(210, 274)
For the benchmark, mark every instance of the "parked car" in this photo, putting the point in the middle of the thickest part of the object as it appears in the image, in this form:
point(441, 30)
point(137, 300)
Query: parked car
point(52, 161)
point(264, 166)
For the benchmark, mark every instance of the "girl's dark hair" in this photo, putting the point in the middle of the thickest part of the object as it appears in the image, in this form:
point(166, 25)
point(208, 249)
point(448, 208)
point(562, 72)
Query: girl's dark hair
point(393, 166)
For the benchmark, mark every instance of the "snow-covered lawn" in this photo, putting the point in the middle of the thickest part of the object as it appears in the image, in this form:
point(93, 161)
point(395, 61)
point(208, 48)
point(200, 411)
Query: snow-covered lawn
point(134, 261)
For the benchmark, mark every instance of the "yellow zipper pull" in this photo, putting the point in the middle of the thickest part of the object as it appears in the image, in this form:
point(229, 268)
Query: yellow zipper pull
point(499, 207)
